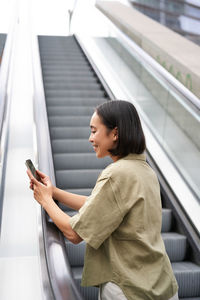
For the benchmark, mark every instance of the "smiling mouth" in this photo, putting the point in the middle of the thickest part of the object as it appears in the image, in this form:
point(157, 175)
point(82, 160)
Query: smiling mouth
point(95, 147)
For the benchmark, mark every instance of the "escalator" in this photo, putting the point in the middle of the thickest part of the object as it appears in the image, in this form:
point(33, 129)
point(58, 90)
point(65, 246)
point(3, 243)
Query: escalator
point(73, 88)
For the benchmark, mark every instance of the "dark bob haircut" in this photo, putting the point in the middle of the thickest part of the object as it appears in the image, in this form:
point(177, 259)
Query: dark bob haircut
point(123, 115)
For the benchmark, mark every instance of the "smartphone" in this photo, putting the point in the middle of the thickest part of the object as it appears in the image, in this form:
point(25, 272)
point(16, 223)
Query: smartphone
point(31, 167)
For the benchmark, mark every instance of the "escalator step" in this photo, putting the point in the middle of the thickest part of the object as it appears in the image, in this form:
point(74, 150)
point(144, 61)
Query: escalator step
point(188, 278)
point(84, 192)
point(69, 121)
point(70, 110)
point(88, 293)
point(64, 62)
point(75, 253)
point(51, 78)
point(166, 220)
point(70, 55)
point(67, 73)
point(70, 132)
point(77, 161)
point(71, 146)
point(76, 179)
point(176, 246)
point(72, 93)
point(60, 53)
point(72, 67)
point(72, 101)
point(72, 86)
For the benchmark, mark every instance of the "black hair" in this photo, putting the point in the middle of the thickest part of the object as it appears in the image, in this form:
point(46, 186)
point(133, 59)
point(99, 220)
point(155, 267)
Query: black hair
point(123, 115)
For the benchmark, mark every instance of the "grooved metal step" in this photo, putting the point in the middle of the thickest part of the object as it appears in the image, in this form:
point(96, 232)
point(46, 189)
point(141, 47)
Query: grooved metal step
point(70, 111)
point(76, 179)
point(76, 85)
point(73, 101)
point(188, 277)
point(90, 293)
point(166, 220)
point(69, 121)
point(69, 132)
point(176, 246)
point(75, 93)
point(69, 78)
point(76, 161)
point(71, 146)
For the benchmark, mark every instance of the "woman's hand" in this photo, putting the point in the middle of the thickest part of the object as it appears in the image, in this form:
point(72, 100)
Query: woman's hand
point(43, 192)
point(44, 178)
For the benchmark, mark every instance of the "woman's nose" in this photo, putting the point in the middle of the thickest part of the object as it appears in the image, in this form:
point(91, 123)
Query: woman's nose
point(90, 138)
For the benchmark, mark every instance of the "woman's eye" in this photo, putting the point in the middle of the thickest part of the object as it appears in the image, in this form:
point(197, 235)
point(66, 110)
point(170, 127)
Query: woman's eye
point(93, 132)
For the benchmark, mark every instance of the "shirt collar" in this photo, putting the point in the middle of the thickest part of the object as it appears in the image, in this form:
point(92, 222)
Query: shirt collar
point(133, 156)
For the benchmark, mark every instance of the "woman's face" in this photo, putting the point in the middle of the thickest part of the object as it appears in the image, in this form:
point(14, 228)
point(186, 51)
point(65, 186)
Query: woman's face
point(101, 139)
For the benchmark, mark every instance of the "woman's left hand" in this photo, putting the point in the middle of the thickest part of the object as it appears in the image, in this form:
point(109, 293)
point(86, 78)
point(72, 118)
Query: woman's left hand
point(42, 192)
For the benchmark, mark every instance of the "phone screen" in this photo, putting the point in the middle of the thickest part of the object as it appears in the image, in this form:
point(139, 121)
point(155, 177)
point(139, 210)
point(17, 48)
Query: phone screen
point(31, 167)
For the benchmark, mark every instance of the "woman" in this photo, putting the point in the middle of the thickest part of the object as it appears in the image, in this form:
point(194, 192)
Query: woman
point(121, 220)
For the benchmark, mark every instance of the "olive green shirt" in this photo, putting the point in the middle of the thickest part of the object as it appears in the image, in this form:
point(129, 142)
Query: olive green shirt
point(121, 225)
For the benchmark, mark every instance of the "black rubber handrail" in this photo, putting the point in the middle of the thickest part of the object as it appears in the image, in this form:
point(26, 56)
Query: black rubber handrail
point(59, 272)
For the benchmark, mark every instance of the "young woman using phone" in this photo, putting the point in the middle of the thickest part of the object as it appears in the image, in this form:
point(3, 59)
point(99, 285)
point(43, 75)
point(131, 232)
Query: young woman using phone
point(121, 220)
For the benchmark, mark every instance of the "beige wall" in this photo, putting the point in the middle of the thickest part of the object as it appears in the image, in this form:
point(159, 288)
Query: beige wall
point(178, 55)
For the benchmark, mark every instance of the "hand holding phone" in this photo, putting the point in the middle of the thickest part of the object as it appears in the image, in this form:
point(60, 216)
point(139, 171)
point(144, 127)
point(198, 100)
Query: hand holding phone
point(31, 167)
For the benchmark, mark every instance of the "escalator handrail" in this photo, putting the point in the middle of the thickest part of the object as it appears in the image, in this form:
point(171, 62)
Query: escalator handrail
point(59, 272)
point(5, 71)
point(153, 64)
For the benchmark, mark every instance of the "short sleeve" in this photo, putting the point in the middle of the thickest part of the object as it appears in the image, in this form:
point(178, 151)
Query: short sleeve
point(99, 216)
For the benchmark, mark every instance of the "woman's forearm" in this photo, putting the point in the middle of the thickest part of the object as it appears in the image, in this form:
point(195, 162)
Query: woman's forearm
point(62, 221)
point(73, 201)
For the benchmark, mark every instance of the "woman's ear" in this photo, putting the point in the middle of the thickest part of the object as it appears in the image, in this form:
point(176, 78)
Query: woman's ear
point(115, 133)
